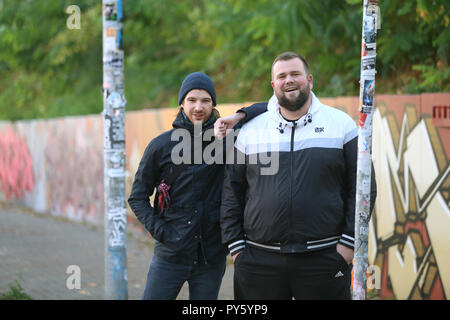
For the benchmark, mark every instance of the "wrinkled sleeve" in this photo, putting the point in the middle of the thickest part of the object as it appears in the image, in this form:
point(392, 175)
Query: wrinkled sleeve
point(145, 181)
point(253, 111)
point(233, 202)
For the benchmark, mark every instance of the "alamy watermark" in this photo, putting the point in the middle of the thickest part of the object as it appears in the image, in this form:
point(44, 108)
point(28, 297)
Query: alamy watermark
point(74, 20)
point(190, 150)
point(74, 280)
point(374, 277)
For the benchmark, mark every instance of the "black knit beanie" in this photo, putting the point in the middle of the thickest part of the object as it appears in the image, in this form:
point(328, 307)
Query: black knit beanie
point(197, 80)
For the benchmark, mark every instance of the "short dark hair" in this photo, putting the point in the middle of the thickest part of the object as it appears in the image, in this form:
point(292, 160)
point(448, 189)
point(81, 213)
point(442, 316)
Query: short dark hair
point(289, 55)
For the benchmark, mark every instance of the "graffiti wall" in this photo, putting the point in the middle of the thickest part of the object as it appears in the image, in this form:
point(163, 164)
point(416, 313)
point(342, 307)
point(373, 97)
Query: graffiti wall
point(409, 236)
point(56, 166)
point(16, 167)
point(410, 231)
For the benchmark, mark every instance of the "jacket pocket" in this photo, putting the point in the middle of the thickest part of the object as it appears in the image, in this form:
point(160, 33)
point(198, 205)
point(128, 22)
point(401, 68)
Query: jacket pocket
point(239, 257)
point(180, 220)
point(164, 233)
point(342, 260)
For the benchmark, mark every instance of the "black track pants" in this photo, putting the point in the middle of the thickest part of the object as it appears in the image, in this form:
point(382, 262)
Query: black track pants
point(260, 275)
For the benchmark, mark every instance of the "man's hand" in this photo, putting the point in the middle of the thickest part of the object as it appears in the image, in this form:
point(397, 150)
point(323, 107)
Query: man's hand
point(235, 256)
point(345, 252)
point(222, 126)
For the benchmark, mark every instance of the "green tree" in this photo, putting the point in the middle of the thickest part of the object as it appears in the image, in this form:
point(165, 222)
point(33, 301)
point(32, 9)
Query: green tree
point(414, 46)
point(48, 70)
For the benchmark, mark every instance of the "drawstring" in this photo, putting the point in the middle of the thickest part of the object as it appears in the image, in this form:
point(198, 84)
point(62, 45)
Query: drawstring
point(281, 127)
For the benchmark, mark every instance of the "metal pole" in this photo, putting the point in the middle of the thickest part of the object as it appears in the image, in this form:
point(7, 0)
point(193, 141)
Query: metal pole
point(364, 165)
point(114, 103)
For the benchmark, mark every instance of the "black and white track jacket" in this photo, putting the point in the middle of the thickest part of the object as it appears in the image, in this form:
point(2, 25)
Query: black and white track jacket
point(295, 191)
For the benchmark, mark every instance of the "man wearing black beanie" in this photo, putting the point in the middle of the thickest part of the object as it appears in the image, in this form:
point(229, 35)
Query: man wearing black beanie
point(197, 80)
point(184, 218)
point(197, 98)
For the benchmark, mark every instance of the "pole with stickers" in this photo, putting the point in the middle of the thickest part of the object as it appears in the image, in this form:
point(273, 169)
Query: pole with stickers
point(114, 103)
point(371, 23)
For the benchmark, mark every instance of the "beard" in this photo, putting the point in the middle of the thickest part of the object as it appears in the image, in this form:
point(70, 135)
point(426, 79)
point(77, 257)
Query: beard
point(298, 103)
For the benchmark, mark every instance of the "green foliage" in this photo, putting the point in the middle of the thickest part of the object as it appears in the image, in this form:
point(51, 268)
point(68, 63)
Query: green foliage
point(16, 292)
point(413, 46)
point(48, 70)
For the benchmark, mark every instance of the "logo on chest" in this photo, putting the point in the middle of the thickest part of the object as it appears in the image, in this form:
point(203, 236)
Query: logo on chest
point(319, 129)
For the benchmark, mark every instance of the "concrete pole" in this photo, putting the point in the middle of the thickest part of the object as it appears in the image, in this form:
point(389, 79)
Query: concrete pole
point(114, 103)
point(364, 166)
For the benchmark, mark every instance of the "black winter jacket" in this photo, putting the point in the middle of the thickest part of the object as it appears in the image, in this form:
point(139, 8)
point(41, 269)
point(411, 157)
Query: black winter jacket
point(189, 232)
point(306, 201)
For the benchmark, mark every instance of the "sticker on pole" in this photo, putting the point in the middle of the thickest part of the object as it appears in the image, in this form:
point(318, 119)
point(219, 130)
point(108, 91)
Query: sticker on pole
point(114, 121)
point(368, 66)
point(368, 92)
point(113, 10)
point(116, 100)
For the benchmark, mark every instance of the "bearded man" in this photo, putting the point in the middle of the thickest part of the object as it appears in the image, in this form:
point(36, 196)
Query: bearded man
point(291, 233)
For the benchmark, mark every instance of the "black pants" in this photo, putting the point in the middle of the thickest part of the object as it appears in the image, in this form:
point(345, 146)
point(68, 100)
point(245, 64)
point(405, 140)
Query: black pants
point(260, 275)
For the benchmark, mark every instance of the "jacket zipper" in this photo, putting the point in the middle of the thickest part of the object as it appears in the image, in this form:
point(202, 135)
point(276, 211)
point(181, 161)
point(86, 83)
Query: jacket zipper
point(292, 175)
point(200, 219)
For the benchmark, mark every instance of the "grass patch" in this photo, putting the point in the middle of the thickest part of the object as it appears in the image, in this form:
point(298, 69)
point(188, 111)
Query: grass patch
point(16, 292)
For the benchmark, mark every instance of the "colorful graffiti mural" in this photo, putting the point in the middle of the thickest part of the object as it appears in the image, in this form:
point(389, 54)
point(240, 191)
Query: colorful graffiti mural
point(16, 165)
point(409, 230)
point(409, 238)
point(56, 166)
